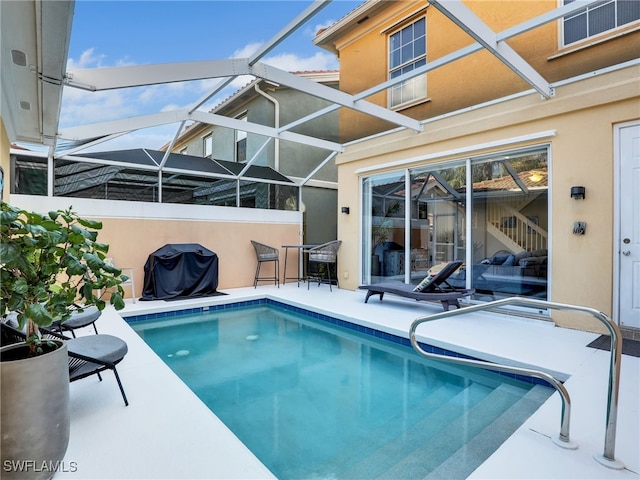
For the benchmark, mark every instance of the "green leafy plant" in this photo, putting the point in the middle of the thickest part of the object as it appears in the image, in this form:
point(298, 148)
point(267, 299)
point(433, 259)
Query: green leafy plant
point(52, 265)
point(382, 226)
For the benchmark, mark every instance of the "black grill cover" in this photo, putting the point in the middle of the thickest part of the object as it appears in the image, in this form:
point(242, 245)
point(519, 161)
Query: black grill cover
point(180, 270)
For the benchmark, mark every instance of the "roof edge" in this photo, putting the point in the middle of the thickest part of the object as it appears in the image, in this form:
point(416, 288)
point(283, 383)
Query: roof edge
point(324, 37)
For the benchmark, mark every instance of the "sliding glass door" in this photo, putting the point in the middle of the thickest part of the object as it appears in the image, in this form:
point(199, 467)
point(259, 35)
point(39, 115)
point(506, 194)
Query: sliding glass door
point(489, 212)
point(510, 231)
point(438, 218)
point(384, 227)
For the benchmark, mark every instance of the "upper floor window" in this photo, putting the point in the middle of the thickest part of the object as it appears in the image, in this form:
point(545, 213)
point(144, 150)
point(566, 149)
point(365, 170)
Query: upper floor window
point(408, 51)
point(241, 142)
point(208, 146)
point(600, 18)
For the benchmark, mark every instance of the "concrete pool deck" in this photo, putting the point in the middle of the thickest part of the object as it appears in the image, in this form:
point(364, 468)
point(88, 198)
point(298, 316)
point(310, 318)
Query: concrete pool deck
point(167, 433)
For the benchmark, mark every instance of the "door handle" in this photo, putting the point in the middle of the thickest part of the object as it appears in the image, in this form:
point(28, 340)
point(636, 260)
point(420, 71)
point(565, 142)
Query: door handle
point(626, 253)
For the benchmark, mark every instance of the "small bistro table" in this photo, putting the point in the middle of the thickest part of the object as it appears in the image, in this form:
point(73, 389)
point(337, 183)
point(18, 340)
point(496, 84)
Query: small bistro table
point(301, 265)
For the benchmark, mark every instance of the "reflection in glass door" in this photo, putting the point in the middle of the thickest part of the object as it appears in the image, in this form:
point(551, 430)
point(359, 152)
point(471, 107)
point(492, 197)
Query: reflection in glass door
point(438, 218)
point(510, 208)
point(384, 237)
point(489, 212)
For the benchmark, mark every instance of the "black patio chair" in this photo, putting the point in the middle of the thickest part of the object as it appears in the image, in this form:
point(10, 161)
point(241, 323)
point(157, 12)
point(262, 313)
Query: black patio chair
point(88, 355)
point(79, 319)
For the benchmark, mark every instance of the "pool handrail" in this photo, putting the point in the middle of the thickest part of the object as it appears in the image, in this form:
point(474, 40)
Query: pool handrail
point(608, 457)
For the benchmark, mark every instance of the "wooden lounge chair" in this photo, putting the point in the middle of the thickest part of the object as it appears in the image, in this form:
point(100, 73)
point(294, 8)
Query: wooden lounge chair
point(436, 289)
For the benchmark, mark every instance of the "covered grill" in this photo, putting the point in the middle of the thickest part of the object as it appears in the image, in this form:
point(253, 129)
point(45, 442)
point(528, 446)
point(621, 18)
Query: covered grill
point(180, 271)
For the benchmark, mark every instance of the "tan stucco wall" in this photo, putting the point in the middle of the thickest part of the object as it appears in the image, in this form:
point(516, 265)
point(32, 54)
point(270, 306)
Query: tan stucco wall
point(580, 121)
point(230, 241)
point(477, 78)
point(133, 230)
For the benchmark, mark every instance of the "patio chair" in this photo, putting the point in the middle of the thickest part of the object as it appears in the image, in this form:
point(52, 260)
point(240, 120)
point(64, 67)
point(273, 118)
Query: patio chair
point(78, 319)
point(430, 289)
point(88, 355)
point(325, 254)
point(265, 253)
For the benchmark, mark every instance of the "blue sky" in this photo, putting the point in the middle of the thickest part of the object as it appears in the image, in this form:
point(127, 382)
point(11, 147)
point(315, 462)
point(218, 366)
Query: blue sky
point(116, 33)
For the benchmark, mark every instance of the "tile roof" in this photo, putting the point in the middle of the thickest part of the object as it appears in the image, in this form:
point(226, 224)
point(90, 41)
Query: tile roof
point(535, 178)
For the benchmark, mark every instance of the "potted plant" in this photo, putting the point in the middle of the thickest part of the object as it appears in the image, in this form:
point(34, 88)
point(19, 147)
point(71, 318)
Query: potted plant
point(50, 265)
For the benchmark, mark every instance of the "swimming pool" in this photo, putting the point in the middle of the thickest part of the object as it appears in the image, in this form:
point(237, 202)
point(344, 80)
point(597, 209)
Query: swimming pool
point(315, 398)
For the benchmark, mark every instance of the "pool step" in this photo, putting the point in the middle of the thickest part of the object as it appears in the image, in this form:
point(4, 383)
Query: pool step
point(486, 442)
point(389, 450)
point(376, 437)
point(379, 417)
point(427, 456)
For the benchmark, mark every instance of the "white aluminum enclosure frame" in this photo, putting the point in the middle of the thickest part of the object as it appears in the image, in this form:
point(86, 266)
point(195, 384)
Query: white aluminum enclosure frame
point(226, 70)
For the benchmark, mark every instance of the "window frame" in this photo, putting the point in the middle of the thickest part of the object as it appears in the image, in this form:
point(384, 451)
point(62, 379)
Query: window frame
point(465, 229)
point(240, 137)
point(207, 146)
point(585, 12)
point(420, 59)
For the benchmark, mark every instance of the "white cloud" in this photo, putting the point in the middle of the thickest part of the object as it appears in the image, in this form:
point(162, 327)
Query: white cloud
point(81, 107)
point(311, 32)
point(294, 63)
point(289, 62)
point(151, 138)
point(87, 59)
point(247, 50)
point(241, 81)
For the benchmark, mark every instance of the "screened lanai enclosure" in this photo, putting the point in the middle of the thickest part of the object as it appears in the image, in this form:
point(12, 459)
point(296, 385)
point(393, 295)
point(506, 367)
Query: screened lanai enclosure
point(490, 212)
point(141, 175)
point(420, 218)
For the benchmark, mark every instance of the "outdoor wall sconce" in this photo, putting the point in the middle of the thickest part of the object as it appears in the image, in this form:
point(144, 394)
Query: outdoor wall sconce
point(577, 193)
point(579, 228)
point(345, 210)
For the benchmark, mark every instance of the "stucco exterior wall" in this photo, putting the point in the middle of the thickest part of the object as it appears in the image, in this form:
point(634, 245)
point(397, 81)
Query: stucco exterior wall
point(477, 78)
point(133, 230)
point(577, 124)
point(294, 159)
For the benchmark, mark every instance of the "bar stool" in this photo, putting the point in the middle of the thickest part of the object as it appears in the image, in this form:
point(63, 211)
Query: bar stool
point(325, 254)
point(265, 253)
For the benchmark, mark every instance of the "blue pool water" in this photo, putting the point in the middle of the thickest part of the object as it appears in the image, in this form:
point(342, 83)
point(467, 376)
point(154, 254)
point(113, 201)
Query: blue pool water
point(316, 400)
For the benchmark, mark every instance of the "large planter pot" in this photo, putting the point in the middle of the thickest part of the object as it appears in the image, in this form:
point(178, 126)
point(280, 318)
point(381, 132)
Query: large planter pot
point(35, 412)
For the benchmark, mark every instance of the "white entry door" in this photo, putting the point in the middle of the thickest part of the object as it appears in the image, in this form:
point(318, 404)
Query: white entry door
point(627, 139)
